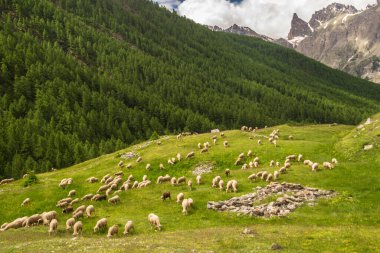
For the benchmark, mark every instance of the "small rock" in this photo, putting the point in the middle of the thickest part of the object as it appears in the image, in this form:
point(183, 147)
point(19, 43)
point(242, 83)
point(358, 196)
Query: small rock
point(248, 231)
point(276, 246)
point(368, 147)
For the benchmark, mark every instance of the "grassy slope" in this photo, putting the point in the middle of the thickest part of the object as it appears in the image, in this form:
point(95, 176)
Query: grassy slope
point(349, 222)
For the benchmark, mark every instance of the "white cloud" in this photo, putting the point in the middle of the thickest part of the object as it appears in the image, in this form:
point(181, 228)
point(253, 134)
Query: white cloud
point(269, 17)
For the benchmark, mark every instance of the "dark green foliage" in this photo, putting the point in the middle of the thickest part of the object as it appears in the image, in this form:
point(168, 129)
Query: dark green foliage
point(154, 136)
point(83, 78)
point(30, 179)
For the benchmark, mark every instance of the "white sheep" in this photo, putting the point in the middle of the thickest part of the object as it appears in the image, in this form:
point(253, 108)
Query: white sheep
point(108, 192)
point(314, 166)
point(114, 200)
point(129, 166)
point(53, 226)
point(113, 230)
point(90, 210)
point(128, 227)
point(70, 223)
point(328, 165)
point(92, 180)
point(139, 159)
point(249, 153)
point(282, 170)
point(270, 177)
point(259, 142)
point(300, 157)
point(190, 155)
point(334, 161)
point(17, 223)
point(81, 208)
point(25, 202)
point(225, 144)
point(186, 204)
point(162, 167)
point(173, 181)
point(252, 177)
point(180, 197)
point(200, 146)
point(170, 162)
point(148, 166)
point(154, 221)
point(77, 228)
point(221, 185)
point(231, 185)
point(32, 220)
point(276, 175)
point(48, 216)
point(100, 224)
point(78, 215)
point(199, 179)
point(190, 184)
point(181, 180)
point(204, 150)
point(178, 156)
point(271, 164)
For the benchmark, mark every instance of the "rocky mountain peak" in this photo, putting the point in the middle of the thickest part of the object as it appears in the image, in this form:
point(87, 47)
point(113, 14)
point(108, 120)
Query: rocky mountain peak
point(299, 28)
point(331, 11)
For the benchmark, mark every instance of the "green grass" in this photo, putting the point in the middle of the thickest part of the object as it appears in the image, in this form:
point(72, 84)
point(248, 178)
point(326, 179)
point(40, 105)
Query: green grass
point(348, 223)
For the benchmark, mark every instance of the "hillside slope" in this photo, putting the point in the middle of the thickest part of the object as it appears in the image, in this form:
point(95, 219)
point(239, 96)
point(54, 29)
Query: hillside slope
point(84, 78)
point(348, 222)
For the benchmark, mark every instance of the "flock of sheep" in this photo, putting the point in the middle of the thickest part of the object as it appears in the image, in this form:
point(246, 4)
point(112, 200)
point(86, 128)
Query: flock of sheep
point(111, 186)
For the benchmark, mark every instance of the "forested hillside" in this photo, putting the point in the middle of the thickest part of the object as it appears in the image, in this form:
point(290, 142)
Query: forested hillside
point(80, 78)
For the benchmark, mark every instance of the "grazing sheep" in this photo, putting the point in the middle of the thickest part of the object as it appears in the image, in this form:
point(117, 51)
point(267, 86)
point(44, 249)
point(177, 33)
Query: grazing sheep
point(154, 221)
point(181, 180)
point(135, 184)
point(80, 208)
point(249, 153)
point(113, 230)
point(4, 225)
point(128, 227)
point(173, 181)
point(238, 161)
point(334, 161)
point(99, 197)
point(102, 188)
point(148, 166)
point(68, 209)
point(214, 141)
point(179, 136)
point(291, 157)
point(159, 180)
point(204, 150)
point(190, 184)
point(17, 223)
point(306, 162)
point(90, 210)
point(276, 175)
point(129, 166)
point(139, 159)
point(328, 165)
point(232, 184)
point(186, 204)
point(252, 177)
point(190, 155)
point(77, 228)
point(264, 175)
point(48, 216)
point(178, 156)
point(269, 178)
point(108, 192)
point(32, 220)
point(200, 146)
point(119, 173)
point(287, 165)
point(271, 164)
point(222, 134)
point(256, 164)
point(6, 181)
point(278, 164)
point(162, 166)
point(199, 179)
point(180, 197)
point(69, 224)
point(114, 200)
point(314, 166)
point(225, 144)
point(257, 159)
point(120, 164)
point(109, 180)
point(53, 226)
point(227, 172)
point(215, 181)
point(241, 155)
point(166, 178)
point(259, 142)
point(92, 180)
point(173, 160)
point(259, 174)
point(72, 193)
point(250, 165)
point(244, 167)
point(100, 224)
point(282, 170)
point(300, 157)
point(104, 179)
point(78, 214)
point(221, 185)
point(25, 202)
point(87, 197)
point(165, 195)
point(170, 162)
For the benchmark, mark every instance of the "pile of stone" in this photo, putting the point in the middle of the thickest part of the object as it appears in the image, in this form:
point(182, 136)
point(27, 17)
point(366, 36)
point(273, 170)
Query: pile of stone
point(203, 168)
point(290, 197)
point(128, 155)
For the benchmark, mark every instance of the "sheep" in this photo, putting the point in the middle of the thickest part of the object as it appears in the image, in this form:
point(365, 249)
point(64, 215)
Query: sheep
point(114, 200)
point(87, 196)
point(255, 164)
point(77, 228)
point(145, 177)
point(68, 209)
point(225, 144)
point(306, 162)
point(328, 165)
point(214, 141)
point(287, 165)
point(178, 156)
point(162, 167)
point(69, 224)
point(119, 173)
point(222, 134)
point(300, 157)
point(291, 157)
point(104, 179)
point(25, 202)
point(250, 165)
point(72, 193)
point(269, 178)
point(53, 226)
point(113, 230)
point(259, 142)
point(314, 166)
point(78, 214)
point(100, 224)
point(244, 167)
point(135, 184)
point(204, 150)
point(200, 146)
point(74, 201)
point(190, 155)
point(180, 197)
point(148, 166)
point(249, 153)
point(227, 172)
point(159, 180)
point(25, 176)
point(173, 181)
point(181, 180)
point(32, 220)
point(186, 204)
point(259, 174)
point(173, 160)
point(80, 208)
point(90, 210)
point(257, 159)
point(102, 188)
point(128, 227)
point(190, 184)
point(334, 161)
point(199, 179)
point(276, 175)
point(290, 137)
point(215, 181)
point(109, 180)
point(252, 177)
point(154, 221)
point(48, 216)
point(99, 197)
point(238, 161)
point(221, 185)
point(129, 166)
point(179, 136)
point(6, 181)
point(271, 164)
point(170, 162)
point(232, 184)
point(108, 192)
point(17, 223)
point(165, 195)
point(278, 164)
point(264, 175)
point(92, 180)
point(139, 159)
point(166, 178)
point(4, 225)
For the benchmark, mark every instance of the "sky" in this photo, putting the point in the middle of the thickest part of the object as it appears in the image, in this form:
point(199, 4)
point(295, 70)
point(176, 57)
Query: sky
point(269, 17)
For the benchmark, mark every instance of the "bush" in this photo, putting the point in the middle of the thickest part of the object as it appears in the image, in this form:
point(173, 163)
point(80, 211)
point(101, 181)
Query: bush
point(154, 136)
point(30, 179)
